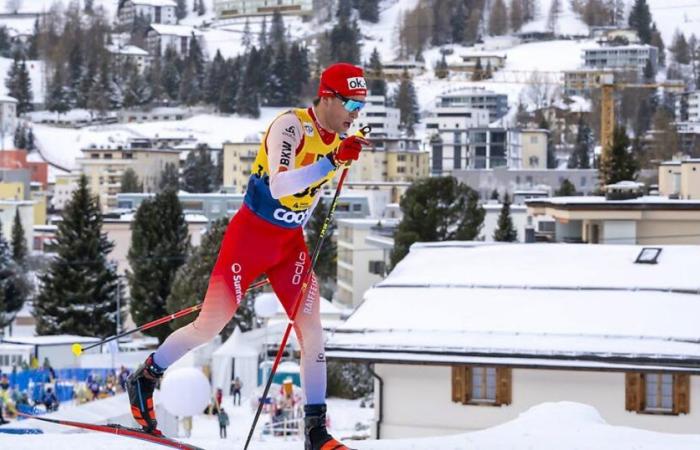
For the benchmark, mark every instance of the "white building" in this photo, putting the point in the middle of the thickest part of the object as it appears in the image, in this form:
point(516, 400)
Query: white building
point(496, 104)
point(364, 249)
point(624, 56)
point(383, 119)
point(688, 107)
point(155, 11)
point(447, 130)
point(479, 333)
point(8, 115)
point(226, 9)
point(132, 54)
point(160, 37)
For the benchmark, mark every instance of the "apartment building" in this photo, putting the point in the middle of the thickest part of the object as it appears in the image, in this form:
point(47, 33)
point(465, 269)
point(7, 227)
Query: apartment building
point(226, 9)
point(624, 56)
point(479, 98)
point(160, 36)
point(104, 167)
point(383, 119)
point(155, 11)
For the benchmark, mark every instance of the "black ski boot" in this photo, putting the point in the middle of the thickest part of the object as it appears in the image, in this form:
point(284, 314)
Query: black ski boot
point(140, 386)
point(316, 435)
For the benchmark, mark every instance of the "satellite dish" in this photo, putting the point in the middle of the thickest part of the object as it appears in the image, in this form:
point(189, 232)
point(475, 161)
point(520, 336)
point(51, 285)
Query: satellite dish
point(266, 305)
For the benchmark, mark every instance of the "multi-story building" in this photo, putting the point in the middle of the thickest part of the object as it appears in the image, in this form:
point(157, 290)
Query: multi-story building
point(447, 133)
point(225, 9)
point(470, 61)
point(155, 11)
point(394, 70)
point(8, 115)
point(132, 54)
point(104, 167)
point(159, 37)
point(383, 119)
point(625, 56)
point(688, 106)
point(689, 135)
point(238, 160)
point(63, 188)
point(680, 179)
point(583, 82)
point(361, 263)
point(17, 159)
point(533, 148)
point(479, 98)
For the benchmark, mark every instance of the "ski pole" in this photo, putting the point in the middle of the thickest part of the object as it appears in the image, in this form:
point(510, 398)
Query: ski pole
point(79, 349)
point(302, 291)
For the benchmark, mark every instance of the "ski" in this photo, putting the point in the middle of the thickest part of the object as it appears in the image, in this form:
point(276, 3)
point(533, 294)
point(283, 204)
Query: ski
point(119, 430)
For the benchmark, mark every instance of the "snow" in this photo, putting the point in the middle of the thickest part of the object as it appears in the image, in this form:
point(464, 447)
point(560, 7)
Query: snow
point(549, 426)
point(649, 200)
point(568, 23)
point(670, 15)
point(384, 34)
point(175, 30)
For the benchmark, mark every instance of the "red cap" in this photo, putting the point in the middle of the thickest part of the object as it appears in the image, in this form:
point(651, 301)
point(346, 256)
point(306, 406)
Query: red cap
point(345, 79)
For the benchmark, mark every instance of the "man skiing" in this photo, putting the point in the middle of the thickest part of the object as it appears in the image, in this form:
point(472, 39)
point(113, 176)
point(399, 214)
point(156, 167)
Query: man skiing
point(300, 153)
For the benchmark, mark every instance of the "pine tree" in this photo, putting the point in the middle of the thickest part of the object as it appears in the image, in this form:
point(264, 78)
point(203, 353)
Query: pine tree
point(277, 30)
point(640, 20)
point(136, 91)
point(680, 49)
point(130, 181)
point(159, 247)
point(506, 230)
point(517, 18)
point(553, 17)
point(345, 41)
point(58, 100)
point(551, 151)
point(580, 157)
point(192, 279)
point(33, 50)
point(190, 93)
point(369, 10)
point(458, 22)
point(567, 189)
point(472, 30)
point(180, 9)
point(478, 73)
point(169, 178)
point(79, 290)
point(375, 72)
point(298, 78)
point(24, 101)
point(216, 77)
point(277, 87)
point(14, 287)
point(437, 209)
point(262, 37)
point(201, 9)
point(658, 42)
point(498, 20)
point(20, 139)
point(170, 73)
point(495, 195)
point(247, 100)
point(19, 241)
point(441, 69)
point(327, 262)
point(199, 172)
point(407, 103)
point(618, 163)
point(228, 89)
point(12, 79)
point(246, 40)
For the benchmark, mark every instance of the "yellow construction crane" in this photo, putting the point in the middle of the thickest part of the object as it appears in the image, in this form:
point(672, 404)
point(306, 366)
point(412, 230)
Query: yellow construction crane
point(608, 86)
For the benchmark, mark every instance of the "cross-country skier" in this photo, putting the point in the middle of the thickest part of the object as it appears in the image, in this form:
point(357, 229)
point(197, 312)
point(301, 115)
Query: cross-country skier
point(300, 153)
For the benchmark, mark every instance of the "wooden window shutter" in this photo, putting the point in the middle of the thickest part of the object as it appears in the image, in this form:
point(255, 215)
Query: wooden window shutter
point(504, 382)
point(634, 392)
point(681, 393)
point(461, 384)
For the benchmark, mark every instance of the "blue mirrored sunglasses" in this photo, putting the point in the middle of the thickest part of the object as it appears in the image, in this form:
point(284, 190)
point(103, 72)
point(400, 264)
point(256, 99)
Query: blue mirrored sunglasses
point(349, 104)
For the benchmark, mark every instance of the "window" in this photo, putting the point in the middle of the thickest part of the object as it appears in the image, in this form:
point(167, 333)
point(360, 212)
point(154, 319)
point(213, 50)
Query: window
point(481, 385)
point(657, 393)
point(533, 139)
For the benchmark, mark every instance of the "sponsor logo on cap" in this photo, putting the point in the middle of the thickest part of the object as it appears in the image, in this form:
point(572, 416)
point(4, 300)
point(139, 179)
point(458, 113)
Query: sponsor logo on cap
point(357, 83)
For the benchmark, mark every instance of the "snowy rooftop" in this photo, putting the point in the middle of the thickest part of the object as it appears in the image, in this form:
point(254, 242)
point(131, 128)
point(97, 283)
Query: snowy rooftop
point(645, 200)
point(175, 30)
point(155, 2)
point(61, 339)
point(451, 301)
point(127, 49)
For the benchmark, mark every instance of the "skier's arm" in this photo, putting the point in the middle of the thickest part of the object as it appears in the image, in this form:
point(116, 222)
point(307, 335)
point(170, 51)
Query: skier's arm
point(283, 141)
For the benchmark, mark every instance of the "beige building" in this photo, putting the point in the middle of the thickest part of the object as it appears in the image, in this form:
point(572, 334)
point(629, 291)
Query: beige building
point(680, 179)
point(63, 188)
point(392, 159)
point(238, 159)
point(622, 217)
point(533, 145)
point(104, 168)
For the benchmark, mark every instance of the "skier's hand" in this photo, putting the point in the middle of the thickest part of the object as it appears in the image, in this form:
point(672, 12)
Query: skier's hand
point(348, 150)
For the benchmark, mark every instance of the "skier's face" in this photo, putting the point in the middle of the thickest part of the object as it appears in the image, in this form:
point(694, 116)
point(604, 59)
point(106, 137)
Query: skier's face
point(343, 111)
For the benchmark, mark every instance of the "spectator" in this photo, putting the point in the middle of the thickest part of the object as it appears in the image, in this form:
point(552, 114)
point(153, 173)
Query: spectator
point(223, 423)
point(49, 369)
point(4, 382)
point(50, 400)
point(219, 397)
point(236, 386)
point(3, 400)
point(123, 375)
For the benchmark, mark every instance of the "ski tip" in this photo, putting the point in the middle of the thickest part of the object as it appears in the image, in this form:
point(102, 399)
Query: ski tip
point(77, 349)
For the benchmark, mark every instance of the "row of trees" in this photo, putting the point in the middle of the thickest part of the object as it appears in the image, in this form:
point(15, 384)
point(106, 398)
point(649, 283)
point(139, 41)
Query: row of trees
point(15, 287)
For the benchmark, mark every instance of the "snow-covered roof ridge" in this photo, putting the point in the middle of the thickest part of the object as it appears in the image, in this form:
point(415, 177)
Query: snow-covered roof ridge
point(546, 266)
point(175, 30)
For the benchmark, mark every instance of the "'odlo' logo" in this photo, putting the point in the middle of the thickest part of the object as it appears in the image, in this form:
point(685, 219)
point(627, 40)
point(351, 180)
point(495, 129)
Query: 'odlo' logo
point(357, 83)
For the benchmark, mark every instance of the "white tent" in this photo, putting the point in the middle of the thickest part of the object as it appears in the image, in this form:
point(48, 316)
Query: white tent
point(235, 358)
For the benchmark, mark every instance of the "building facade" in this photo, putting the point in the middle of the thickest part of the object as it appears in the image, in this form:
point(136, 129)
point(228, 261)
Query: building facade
point(496, 104)
point(226, 9)
point(159, 37)
point(104, 168)
point(625, 56)
point(155, 11)
point(383, 119)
